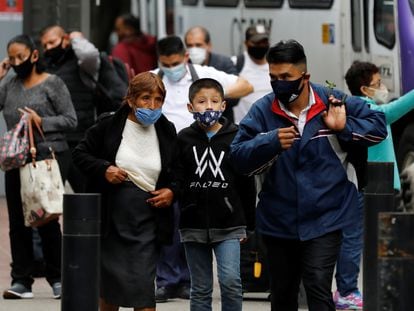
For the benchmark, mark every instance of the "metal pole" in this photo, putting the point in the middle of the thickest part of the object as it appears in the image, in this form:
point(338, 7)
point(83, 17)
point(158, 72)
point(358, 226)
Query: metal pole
point(80, 255)
point(379, 197)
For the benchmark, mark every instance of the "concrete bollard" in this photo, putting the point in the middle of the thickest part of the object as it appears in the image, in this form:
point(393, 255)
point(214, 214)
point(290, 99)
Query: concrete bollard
point(80, 252)
point(379, 197)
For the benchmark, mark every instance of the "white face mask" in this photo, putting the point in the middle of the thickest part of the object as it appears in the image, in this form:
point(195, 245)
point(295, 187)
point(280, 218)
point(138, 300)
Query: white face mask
point(197, 55)
point(380, 95)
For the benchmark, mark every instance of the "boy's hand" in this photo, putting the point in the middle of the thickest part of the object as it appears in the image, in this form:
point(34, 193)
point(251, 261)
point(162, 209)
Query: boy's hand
point(162, 198)
point(335, 117)
point(286, 136)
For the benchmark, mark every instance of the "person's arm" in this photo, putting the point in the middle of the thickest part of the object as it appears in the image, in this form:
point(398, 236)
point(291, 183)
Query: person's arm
point(397, 108)
point(87, 154)
point(363, 126)
point(255, 148)
point(239, 89)
point(59, 97)
point(87, 54)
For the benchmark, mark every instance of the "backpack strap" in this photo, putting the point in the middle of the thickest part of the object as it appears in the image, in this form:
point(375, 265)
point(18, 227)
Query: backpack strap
point(193, 72)
point(239, 62)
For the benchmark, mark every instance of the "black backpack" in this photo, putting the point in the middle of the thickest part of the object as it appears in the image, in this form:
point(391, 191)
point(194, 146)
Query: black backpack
point(357, 155)
point(111, 86)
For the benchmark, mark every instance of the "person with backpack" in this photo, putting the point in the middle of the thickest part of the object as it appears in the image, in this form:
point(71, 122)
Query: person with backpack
point(198, 43)
point(364, 80)
point(177, 74)
point(252, 66)
point(310, 190)
point(93, 83)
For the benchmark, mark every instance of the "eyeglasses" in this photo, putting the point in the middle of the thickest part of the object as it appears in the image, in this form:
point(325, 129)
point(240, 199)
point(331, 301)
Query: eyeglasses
point(376, 84)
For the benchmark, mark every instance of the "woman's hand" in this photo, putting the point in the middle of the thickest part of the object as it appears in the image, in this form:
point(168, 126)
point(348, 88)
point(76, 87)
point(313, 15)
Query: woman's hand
point(4, 67)
point(32, 114)
point(115, 175)
point(162, 198)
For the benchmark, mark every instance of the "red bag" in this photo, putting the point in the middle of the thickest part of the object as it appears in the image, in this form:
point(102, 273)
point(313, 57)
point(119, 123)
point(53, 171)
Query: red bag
point(14, 145)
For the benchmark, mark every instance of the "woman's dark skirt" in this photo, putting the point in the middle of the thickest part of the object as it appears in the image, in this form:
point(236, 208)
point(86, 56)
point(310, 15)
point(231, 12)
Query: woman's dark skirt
point(129, 252)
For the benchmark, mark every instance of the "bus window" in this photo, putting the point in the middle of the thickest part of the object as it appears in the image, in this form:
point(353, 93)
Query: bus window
point(263, 3)
point(229, 3)
point(311, 4)
point(412, 6)
point(356, 25)
point(189, 2)
point(384, 24)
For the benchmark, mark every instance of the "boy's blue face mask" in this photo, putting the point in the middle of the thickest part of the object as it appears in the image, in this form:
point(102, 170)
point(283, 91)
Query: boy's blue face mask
point(147, 116)
point(175, 73)
point(207, 118)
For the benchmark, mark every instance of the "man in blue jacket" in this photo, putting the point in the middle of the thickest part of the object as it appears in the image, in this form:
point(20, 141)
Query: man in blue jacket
point(310, 190)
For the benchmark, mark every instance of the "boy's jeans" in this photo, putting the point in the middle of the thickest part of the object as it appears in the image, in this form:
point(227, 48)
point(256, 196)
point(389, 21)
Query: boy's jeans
point(200, 263)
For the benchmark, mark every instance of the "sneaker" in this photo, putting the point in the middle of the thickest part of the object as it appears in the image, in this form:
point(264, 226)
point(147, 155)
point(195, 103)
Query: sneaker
point(183, 292)
point(18, 291)
point(161, 295)
point(57, 289)
point(353, 301)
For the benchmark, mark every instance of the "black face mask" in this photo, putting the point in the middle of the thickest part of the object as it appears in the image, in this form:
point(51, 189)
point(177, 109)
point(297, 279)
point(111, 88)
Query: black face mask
point(24, 69)
point(53, 55)
point(257, 52)
point(287, 91)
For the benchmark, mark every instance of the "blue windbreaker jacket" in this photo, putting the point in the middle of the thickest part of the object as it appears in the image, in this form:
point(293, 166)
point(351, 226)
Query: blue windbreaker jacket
point(310, 189)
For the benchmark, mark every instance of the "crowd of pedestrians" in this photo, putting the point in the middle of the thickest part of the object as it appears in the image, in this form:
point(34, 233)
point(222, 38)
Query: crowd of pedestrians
point(193, 153)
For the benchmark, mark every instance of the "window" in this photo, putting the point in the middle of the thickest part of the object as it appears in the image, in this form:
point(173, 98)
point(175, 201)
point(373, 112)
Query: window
point(366, 25)
point(264, 3)
point(311, 4)
point(412, 6)
point(189, 2)
point(384, 23)
point(228, 3)
point(356, 25)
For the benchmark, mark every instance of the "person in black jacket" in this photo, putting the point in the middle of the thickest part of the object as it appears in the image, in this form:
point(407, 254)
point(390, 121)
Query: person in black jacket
point(126, 156)
point(217, 203)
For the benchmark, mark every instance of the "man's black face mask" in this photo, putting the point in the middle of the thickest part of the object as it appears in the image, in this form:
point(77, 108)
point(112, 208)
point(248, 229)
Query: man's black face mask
point(53, 55)
point(287, 91)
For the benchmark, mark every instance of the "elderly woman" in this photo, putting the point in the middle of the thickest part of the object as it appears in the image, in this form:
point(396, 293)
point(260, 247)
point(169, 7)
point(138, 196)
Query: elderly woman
point(126, 156)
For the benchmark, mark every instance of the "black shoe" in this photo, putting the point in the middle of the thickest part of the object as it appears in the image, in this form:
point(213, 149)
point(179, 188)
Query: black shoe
point(161, 295)
point(183, 292)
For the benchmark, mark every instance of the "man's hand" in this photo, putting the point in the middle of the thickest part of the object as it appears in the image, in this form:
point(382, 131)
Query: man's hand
point(286, 136)
point(115, 175)
point(335, 117)
point(162, 198)
point(75, 34)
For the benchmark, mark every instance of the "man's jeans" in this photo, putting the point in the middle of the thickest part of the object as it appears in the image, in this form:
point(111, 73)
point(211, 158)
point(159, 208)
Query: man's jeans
point(347, 266)
point(200, 263)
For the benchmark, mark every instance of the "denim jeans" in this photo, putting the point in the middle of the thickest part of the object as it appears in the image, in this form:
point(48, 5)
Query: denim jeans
point(347, 266)
point(200, 263)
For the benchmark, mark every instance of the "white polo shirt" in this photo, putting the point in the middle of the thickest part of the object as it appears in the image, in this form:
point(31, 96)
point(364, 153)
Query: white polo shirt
point(175, 105)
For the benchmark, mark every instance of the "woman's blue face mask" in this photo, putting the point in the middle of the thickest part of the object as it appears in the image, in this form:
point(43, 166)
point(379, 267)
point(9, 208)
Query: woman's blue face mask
point(147, 116)
point(175, 73)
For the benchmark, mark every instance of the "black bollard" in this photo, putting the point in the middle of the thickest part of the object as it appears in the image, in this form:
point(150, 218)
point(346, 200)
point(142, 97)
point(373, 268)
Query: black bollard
point(379, 197)
point(80, 255)
point(395, 261)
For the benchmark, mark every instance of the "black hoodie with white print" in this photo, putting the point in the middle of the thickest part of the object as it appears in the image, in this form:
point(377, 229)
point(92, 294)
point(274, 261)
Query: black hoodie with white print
point(217, 203)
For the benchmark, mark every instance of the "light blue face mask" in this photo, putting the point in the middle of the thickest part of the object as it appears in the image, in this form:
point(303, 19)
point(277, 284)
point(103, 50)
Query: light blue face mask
point(175, 73)
point(147, 116)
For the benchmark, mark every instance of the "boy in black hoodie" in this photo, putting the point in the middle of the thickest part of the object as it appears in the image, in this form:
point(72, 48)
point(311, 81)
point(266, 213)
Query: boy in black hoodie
point(217, 203)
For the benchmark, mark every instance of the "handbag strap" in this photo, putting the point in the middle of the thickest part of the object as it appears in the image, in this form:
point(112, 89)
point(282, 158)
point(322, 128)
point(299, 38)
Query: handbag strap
point(33, 150)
